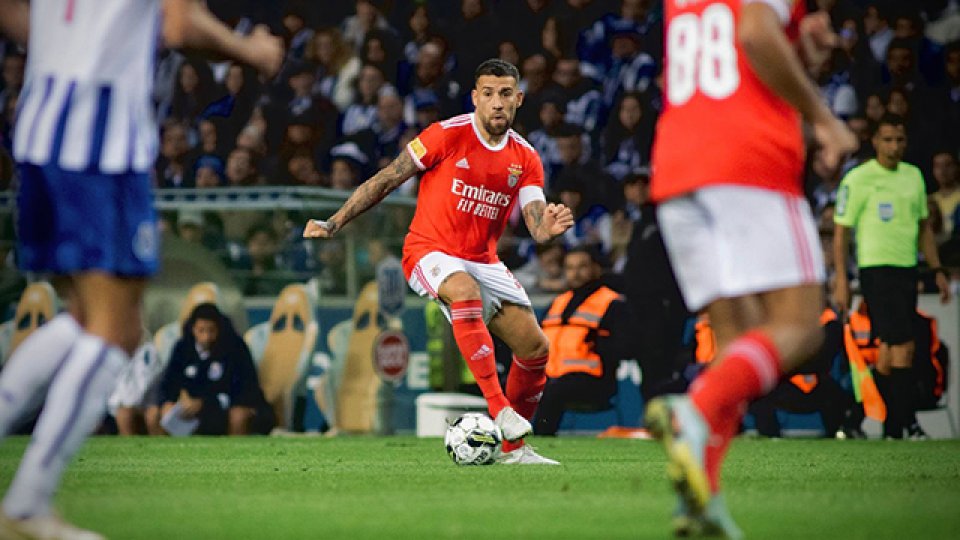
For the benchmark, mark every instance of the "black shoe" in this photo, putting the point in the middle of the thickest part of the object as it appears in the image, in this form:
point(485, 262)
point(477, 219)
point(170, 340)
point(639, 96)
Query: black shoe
point(851, 433)
point(916, 433)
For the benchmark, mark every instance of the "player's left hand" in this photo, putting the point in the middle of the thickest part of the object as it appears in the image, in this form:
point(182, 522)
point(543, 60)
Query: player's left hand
point(557, 218)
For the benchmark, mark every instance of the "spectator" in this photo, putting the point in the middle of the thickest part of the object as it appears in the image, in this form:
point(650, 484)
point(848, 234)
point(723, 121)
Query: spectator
point(210, 140)
point(855, 57)
point(296, 33)
point(874, 107)
point(544, 138)
point(628, 68)
point(544, 272)
point(573, 150)
point(337, 67)
point(385, 133)
point(368, 17)
point(536, 84)
point(211, 378)
point(208, 172)
point(361, 114)
point(885, 201)
point(949, 95)
point(584, 101)
point(347, 167)
point(946, 175)
point(420, 29)
point(589, 329)
point(836, 87)
point(876, 24)
point(172, 169)
point(474, 34)
point(194, 90)
point(260, 262)
point(523, 20)
point(381, 49)
point(592, 225)
point(242, 169)
point(190, 226)
point(302, 170)
point(628, 137)
point(430, 81)
point(908, 24)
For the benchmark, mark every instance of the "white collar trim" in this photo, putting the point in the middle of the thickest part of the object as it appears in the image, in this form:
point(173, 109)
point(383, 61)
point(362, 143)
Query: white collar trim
point(476, 131)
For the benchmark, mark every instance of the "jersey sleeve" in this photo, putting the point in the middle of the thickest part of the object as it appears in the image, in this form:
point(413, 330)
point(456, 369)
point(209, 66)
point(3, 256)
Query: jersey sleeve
point(428, 148)
point(850, 201)
point(533, 172)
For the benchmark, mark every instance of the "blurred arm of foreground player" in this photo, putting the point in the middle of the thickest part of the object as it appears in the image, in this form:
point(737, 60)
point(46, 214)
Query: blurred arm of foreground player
point(773, 60)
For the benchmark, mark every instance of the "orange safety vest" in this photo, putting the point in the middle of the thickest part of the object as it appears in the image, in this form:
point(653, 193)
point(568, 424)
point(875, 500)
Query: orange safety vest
point(570, 349)
point(707, 345)
point(860, 329)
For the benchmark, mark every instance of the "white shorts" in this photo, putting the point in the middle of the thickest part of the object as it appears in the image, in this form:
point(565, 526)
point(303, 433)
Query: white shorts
point(729, 241)
point(497, 284)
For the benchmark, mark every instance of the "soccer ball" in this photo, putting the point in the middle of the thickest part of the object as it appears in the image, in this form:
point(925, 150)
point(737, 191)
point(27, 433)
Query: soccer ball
point(473, 439)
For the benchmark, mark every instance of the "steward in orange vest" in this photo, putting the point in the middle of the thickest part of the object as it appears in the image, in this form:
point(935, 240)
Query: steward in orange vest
point(810, 389)
point(589, 328)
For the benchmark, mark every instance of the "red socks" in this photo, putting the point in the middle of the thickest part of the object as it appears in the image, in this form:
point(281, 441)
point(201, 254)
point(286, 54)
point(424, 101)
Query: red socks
point(525, 384)
point(748, 369)
point(476, 346)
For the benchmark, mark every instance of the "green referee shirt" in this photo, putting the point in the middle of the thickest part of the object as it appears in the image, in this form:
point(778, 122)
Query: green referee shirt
point(885, 207)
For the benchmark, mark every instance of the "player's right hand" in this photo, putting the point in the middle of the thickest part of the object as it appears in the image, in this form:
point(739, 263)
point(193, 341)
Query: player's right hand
point(265, 51)
point(836, 141)
point(316, 228)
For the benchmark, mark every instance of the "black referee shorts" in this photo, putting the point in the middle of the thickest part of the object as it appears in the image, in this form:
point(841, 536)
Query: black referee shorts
point(891, 296)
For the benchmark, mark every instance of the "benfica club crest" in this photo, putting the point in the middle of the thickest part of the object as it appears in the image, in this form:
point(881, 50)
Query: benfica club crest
point(514, 171)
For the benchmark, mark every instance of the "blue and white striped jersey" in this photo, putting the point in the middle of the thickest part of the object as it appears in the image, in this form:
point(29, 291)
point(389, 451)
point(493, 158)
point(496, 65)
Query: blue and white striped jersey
point(86, 100)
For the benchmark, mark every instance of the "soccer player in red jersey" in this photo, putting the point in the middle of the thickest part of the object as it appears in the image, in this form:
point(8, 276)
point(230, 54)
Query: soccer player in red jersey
point(727, 166)
point(474, 169)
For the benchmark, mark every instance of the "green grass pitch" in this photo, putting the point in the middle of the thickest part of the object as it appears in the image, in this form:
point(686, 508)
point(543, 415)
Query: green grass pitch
point(403, 487)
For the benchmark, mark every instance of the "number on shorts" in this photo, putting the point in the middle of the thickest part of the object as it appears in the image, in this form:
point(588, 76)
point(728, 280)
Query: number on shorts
point(702, 55)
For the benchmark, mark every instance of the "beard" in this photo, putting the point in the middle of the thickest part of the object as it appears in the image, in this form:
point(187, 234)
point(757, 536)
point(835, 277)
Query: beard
point(496, 129)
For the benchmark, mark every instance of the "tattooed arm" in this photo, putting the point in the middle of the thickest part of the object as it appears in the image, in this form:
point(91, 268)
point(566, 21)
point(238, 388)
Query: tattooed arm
point(546, 221)
point(365, 197)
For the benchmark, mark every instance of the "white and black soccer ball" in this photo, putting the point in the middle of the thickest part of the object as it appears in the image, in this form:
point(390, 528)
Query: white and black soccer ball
point(473, 439)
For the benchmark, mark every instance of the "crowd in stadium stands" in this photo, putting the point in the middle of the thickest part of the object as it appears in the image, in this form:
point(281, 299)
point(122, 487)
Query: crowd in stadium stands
point(362, 78)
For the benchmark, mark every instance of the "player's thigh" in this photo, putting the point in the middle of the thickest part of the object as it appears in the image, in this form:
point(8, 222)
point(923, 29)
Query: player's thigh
point(731, 317)
point(689, 238)
point(517, 326)
point(764, 240)
point(111, 307)
point(443, 277)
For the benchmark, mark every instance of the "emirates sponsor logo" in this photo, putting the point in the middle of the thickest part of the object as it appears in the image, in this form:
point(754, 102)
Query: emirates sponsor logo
point(478, 200)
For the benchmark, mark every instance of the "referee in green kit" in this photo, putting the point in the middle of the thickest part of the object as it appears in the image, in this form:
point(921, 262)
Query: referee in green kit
point(885, 201)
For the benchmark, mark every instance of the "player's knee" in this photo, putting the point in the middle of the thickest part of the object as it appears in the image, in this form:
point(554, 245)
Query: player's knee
point(537, 348)
point(459, 287)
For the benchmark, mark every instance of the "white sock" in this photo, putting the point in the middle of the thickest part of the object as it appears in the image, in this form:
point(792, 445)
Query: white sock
point(27, 375)
point(75, 405)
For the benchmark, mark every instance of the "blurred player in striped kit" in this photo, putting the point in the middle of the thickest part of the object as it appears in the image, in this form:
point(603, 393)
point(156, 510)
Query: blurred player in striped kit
point(85, 140)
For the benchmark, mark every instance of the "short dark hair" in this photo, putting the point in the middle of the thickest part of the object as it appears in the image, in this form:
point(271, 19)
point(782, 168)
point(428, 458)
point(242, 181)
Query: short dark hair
point(497, 68)
point(207, 312)
point(890, 119)
point(593, 251)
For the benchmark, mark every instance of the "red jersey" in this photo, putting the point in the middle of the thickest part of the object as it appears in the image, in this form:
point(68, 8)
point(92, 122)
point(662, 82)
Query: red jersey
point(721, 124)
point(467, 190)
